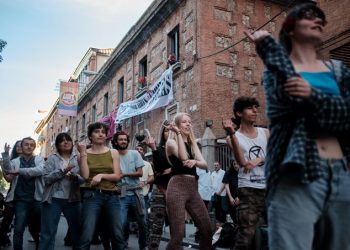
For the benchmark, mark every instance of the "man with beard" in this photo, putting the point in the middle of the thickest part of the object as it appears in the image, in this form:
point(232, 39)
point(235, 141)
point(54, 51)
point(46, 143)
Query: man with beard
point(131, 198)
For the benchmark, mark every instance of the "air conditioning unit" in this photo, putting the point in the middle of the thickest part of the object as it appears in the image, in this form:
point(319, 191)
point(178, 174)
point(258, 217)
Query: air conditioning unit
point(66, 129)
point(50, 125)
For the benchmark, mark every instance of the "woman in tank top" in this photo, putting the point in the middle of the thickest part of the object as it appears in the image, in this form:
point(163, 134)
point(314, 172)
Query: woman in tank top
point(100, 195)
point(182, 192)
point(308, 105)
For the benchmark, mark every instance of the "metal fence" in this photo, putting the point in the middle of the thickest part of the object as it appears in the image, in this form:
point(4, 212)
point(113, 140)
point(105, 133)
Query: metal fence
point(224, 155)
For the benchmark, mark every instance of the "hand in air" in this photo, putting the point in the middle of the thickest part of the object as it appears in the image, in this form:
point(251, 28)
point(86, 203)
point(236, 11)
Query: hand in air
point(227, 125)
point(257, 36)
point(7, 148)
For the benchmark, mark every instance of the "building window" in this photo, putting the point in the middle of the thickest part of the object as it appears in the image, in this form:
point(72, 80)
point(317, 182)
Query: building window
point(143, 67)
point(121, 90)
point(174, 43)
point(93, 113)
point(143, 73)
point(83, 123)
point(342, 53)
point(105, 104)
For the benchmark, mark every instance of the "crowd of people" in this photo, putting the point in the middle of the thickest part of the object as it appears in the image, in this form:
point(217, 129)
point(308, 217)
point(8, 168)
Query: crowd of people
point(293, 177)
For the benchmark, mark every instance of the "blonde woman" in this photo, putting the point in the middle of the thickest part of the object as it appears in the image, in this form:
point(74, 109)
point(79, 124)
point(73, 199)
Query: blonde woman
point(182, 192)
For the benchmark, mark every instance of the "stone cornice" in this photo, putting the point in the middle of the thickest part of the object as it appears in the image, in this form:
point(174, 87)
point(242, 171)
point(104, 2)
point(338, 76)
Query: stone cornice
point(151, 20)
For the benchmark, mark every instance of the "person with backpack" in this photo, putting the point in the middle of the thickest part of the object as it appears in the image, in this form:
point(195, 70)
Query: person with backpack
point(308, 107)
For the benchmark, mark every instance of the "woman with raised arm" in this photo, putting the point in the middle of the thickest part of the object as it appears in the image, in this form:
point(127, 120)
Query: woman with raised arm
point(182, 192)
point(100, 195)
point(9, 211)
point(308, 105)
point(62, 191)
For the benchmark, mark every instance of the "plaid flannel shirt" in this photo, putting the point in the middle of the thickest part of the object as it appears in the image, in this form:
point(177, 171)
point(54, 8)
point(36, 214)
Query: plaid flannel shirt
point(294, 121)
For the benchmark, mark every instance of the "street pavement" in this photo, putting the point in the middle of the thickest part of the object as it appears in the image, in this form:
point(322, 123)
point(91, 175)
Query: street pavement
point(188, 242)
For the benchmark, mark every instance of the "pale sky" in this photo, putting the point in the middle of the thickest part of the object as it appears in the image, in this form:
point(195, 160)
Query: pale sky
point(46, 39)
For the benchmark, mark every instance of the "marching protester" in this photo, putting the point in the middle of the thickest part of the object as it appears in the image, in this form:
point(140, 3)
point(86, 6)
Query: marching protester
point(26, 189)
point(182, 192)
point(162, 175)
point(9, 210)
point(249, 147)
point(131, 197)
point(219, 200)
point(147, 178)
point(62, 191)
point(230, 181)
point(100, 195)
point(308, 151)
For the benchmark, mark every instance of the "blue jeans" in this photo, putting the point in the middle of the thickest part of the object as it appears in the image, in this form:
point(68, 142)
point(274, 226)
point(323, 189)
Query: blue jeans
point(25, 211)
point(129, 203)
point(316, 214)
point(50, 217)
point(95, 203)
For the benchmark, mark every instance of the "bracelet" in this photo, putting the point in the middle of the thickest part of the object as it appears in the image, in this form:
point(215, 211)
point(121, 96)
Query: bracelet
point(178, 133)
point(82, 155)
point(231, 134)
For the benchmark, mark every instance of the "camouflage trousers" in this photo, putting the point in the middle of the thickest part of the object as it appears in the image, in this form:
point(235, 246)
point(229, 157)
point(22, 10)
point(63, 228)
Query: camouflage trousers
point(251, 212)
point(156, 218)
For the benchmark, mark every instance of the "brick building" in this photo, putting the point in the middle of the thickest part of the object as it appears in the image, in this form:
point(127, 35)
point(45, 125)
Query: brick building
point(337, 38)
point(211, 73)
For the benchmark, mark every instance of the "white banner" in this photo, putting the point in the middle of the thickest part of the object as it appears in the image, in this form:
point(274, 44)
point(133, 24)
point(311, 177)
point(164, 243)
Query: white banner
point(159, 95)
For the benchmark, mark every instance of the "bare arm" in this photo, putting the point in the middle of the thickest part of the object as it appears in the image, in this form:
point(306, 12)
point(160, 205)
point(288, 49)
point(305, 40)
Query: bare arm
point(138, 173)
point(82, 161)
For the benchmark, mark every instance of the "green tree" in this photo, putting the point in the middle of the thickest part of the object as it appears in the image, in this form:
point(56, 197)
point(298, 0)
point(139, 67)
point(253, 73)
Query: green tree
point(2, 46)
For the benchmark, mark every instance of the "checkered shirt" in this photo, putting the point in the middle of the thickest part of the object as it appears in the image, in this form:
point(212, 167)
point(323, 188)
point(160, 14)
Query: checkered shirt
point(294, 122)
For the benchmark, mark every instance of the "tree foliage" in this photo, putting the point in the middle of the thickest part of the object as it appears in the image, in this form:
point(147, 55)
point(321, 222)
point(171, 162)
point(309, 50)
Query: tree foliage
point(2, 46)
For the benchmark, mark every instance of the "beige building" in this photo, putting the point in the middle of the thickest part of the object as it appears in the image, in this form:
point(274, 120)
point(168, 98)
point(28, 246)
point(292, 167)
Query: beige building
point(54, 123)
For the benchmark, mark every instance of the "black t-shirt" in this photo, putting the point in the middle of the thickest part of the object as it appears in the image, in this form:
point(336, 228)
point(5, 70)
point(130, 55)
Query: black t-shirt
point(179, 168)
point(231, 178)
point(160, 163)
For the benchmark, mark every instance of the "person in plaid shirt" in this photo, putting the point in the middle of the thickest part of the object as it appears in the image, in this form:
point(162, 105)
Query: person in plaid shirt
point(308, 106)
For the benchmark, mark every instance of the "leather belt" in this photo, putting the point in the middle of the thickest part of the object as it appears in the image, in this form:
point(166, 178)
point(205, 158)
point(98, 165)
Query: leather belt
point(101, 191)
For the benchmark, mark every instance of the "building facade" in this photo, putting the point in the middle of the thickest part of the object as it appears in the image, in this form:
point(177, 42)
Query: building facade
point(215, 64)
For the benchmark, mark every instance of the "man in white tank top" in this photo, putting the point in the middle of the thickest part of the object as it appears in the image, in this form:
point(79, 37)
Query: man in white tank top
point(249, 147)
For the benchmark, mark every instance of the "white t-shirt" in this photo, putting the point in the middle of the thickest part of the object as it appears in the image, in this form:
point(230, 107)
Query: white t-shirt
point(146, 171)
point(216, 181)
point(204, 184)
point(252, 149)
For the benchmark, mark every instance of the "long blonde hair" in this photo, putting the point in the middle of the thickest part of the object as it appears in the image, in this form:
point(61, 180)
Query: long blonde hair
point(191, 138)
